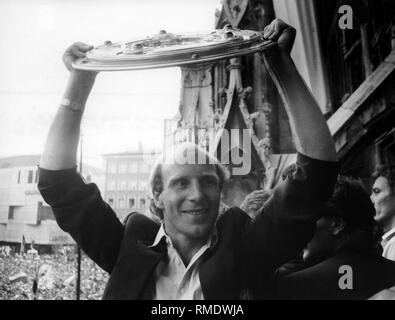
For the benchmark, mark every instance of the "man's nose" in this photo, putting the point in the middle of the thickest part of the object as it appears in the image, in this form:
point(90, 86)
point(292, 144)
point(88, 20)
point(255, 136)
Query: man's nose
point(195, 191)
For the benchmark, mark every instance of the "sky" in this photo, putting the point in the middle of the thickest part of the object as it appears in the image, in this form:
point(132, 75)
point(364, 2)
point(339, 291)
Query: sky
point(124, 108)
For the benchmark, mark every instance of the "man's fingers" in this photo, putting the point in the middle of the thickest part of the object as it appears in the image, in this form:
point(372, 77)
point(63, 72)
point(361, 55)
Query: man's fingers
point(270, 34)
point(265, 30)
point(269, 31)
point(79, 49)
point(76, 51)
point(84, 47)
point(281, 32)
point(276, 31)
point(273, 30)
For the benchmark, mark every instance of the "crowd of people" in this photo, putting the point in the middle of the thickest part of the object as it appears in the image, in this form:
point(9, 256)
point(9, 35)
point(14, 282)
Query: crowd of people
point(55, 275)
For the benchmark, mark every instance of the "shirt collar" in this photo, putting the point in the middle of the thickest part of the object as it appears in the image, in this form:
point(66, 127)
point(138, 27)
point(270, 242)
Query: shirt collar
point(161, 234)
point(388, 235)
point(212, 240)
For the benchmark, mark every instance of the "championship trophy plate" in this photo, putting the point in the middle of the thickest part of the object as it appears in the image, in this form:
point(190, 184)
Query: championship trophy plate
point(169, 50)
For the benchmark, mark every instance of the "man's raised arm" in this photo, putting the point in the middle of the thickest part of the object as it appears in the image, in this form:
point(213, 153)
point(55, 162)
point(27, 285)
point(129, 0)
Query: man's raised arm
point(78, 207)
point(309, 128)
point(61, 145)
point(287, 222)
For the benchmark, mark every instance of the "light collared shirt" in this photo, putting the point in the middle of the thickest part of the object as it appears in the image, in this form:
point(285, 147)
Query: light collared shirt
point(388, 244)
point(173, 280)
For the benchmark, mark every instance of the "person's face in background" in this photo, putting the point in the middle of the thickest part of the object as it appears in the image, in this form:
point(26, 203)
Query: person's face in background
point(383, 199)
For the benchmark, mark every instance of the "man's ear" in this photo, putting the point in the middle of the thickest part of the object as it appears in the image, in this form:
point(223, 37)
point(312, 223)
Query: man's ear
point(338, 225)
point(158, 200)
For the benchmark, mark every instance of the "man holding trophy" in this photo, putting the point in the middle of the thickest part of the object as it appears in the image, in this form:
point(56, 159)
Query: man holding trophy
point(194, 253)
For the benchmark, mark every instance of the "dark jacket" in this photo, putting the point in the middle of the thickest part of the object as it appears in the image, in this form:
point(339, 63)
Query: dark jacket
point(367, 274)
point(240, 266)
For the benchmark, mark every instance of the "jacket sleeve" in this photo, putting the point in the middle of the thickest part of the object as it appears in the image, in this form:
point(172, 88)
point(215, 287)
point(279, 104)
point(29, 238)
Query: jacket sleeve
point(287, 222)
point(80, 210)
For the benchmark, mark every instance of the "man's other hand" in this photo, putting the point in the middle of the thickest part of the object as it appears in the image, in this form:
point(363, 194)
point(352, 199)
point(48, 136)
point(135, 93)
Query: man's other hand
point(281, 32)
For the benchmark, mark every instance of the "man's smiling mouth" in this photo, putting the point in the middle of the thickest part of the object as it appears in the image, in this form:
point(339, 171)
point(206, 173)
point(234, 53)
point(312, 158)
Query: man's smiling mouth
point(195, 212)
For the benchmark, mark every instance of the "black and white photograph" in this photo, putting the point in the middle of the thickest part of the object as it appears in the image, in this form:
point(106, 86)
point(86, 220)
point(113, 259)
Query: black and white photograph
point(211, 150)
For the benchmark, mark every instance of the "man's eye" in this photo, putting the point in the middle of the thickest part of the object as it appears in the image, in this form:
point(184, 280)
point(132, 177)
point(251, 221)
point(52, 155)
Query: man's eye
point(181, 183)
point(210, 182)
point(376, 190)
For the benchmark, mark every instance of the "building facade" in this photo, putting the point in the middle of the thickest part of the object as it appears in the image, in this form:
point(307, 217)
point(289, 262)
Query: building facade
point(23, 211)
point(349, 68)
point(127, 181)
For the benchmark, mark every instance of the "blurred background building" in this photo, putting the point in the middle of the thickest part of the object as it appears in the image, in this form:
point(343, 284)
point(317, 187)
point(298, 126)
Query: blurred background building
point(23, 212)
point(126, 180)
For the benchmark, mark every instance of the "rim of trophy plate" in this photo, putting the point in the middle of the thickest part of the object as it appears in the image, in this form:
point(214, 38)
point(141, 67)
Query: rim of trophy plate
point(176, 55)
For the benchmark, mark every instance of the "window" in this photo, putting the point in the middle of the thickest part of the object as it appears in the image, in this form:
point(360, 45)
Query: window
point(131, 202)
point(11, 213)
point(142, 203)
point(19, 176)
point(122, 185)
point(143, 185)
point(111, 185)
point(44, 212)
point(133, 167)
point(36, 176)
point(112, 168)
point(111, 202)
point(30, 177)
point(121, 203)
point(123, 168)
point(132, 185)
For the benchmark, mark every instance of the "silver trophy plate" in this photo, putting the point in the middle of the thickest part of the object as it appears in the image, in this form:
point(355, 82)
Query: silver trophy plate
point(168, 50)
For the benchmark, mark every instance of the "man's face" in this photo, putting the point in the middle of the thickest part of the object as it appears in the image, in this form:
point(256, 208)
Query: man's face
point(383, 200)
point(323, 243)
point(190, 198)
